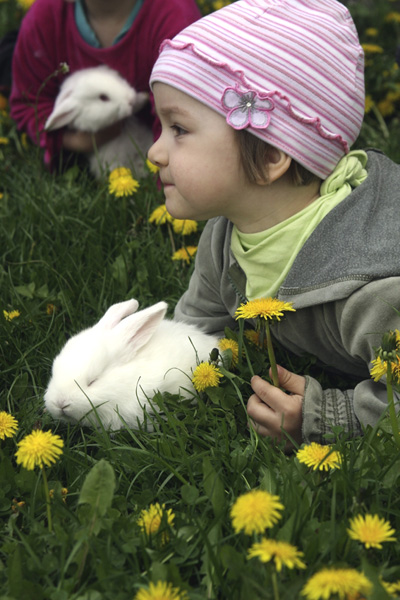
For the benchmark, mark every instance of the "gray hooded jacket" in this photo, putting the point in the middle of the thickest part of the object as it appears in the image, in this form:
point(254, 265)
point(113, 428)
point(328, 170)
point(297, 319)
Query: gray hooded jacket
point(344, 285)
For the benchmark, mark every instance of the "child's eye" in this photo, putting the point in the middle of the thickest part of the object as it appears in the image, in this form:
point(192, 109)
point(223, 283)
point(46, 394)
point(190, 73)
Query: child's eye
point(178, 130)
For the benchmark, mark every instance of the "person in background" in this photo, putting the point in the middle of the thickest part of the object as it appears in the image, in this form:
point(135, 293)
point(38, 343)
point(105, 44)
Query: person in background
point(123, 34)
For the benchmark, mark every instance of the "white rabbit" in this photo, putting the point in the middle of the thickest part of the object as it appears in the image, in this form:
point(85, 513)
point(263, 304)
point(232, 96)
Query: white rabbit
point(119, 363)
point(94, 98)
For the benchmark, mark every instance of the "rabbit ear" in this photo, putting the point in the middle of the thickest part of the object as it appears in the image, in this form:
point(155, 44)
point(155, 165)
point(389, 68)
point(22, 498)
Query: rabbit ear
point(117, 312)
point(64, 112)
point(135, 331)
point(140, 100)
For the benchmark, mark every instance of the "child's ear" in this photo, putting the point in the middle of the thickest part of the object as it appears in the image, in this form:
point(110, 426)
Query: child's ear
point(277, 165)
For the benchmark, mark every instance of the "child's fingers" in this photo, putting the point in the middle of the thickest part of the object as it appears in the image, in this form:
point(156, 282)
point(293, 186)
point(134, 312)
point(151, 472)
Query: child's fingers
point(295, 384)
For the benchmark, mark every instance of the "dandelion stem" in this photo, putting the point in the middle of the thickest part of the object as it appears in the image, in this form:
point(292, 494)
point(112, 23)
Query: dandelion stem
point(275, 585)
point(240, 341)
point(171, 238)
point(381, 121)
point(47, 496)
point(271, 356)
point(392, 409)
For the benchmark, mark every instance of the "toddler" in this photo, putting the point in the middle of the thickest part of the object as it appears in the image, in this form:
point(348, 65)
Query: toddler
point(259, 104)
point(123, 34)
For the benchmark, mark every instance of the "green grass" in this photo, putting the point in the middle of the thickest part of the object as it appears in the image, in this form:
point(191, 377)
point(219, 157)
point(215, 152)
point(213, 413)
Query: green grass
point(64, 241)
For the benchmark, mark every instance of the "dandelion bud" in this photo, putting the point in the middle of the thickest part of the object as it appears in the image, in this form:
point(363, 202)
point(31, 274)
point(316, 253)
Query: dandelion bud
point(388, 349)
point(214, 354)
point(389, 341)
point(64, 67)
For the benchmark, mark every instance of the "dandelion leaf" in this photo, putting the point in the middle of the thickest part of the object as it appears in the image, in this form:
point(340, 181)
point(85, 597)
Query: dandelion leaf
point(213, 487)
point(189, 493)
point(98, 488)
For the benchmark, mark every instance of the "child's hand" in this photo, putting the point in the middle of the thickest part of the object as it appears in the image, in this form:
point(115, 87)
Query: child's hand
point(271, 409)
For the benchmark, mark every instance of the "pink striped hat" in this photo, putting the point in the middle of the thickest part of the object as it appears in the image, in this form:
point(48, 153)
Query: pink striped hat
point(289, 71)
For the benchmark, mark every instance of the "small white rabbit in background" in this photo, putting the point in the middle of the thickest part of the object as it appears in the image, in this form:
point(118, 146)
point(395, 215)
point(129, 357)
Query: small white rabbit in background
point(94, 98)
point(120, 362)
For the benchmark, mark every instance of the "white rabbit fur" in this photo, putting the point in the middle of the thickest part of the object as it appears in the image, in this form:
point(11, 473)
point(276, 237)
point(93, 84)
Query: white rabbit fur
point(94, 98)
point(119, 363)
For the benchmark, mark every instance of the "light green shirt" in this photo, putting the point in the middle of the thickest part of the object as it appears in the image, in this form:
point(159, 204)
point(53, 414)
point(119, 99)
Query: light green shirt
point(267, 256)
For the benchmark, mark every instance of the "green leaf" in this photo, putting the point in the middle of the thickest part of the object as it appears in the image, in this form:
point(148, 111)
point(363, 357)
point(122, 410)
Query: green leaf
point(189, 494)
point(98, 488)
point(15, 572)
point(27, 290)
point(43, 291)
point(118, 271)
point(213, 487)
point(232, 560)
point(215, 394)
point(91, 595)
point(20, 386)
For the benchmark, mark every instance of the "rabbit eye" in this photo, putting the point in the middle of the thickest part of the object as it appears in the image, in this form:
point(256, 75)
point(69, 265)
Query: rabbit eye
point(104, 97)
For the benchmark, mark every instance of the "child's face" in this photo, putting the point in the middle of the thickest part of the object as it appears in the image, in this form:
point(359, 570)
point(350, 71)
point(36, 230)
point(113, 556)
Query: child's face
point(198, 157)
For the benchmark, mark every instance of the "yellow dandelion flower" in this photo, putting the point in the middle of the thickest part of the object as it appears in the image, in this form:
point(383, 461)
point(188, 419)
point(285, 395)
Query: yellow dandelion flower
point(206, 375)
point(343, 582)
point(121, 182)
point(16, 505)
point(255, 511)
point(25, 4)
point(319, 457)
point(266, 308)
point(39, 448)
point(380, 368)
point(184, 226)
point(160, 215)
point(8, 425)
point(371, 531)
point(394, 96)
point(386, 107)
point(50, 309)
point(371, 31)
point(24, 141)
point(372, 48)
point(232, 345)
point(10, 315)
point(150, 519)
point(217, 4)
point(152, 167)
point(119, 172)
point(283, 553)
point(161, 591)
point(369, 103)
point(3, 102)
point(254, 337)
point(1, 195)
point(64, 492)
point(4, 141)
point(186, 253)
point(393, 589)
point(393, 17)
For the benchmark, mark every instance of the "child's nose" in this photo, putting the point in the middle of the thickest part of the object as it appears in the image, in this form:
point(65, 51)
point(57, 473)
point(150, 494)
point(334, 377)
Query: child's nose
point(157, 154)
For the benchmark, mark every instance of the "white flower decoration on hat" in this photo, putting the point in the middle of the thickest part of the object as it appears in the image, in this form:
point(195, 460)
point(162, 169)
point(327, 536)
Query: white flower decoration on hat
point(247, 108)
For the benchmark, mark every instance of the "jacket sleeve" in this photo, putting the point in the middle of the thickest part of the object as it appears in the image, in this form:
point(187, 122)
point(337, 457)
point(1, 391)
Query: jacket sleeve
point(361, 321)
point(35, 81)
point(210, 300)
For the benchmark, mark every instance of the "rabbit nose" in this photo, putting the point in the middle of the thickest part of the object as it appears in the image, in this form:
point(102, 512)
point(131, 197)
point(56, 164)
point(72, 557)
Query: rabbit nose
point(63, 404)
